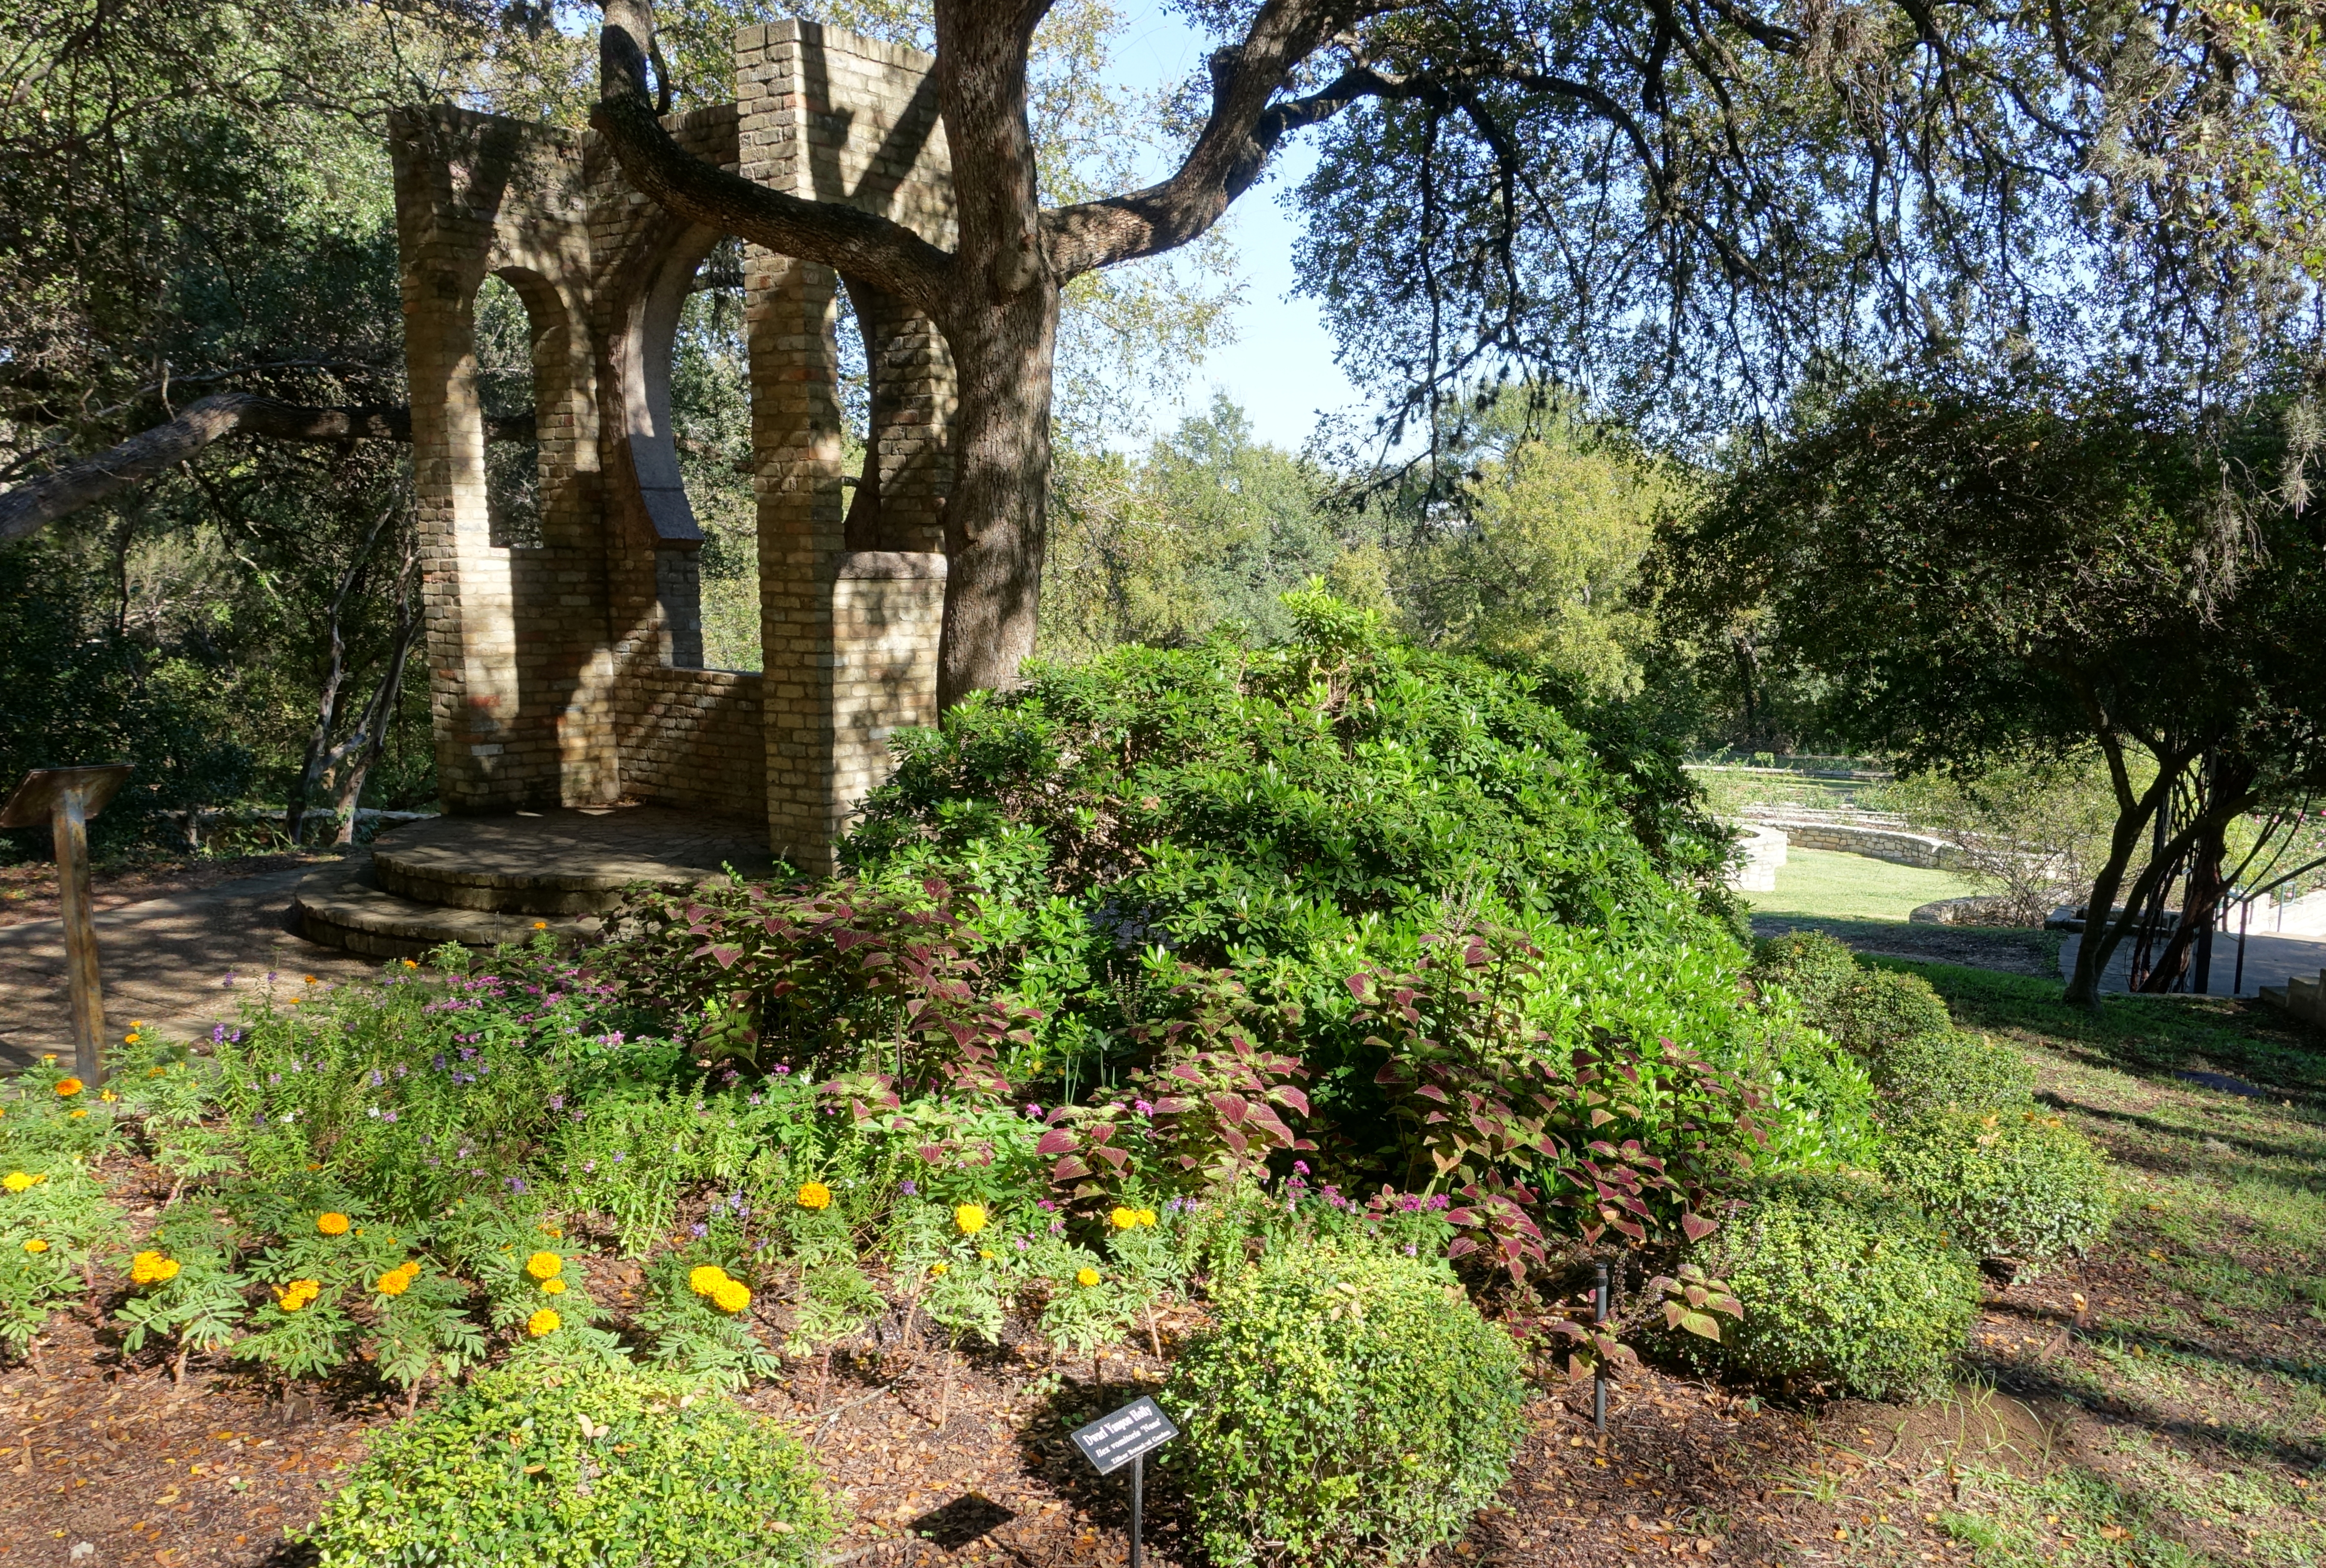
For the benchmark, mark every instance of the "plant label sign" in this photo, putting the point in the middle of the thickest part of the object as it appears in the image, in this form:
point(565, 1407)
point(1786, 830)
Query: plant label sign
point(1113, 1441)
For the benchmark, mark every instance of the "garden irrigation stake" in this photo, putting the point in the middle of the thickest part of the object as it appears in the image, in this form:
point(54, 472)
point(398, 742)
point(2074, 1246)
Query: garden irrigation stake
point(1127, 1436)
point(68, 797)
point(1599, 1368)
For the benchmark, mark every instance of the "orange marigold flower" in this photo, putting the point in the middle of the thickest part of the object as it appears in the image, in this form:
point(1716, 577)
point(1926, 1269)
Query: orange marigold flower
point(333, 1223)
point(68, 1086)
point(394, 1283)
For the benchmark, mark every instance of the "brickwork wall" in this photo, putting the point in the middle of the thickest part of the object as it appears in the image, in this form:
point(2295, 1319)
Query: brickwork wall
point(519, 679)
point(836, 118)
point(691, 737)
point(552, 668)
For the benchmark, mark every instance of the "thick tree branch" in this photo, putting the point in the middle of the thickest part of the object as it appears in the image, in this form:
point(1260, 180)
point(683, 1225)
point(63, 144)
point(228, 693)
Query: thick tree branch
point(30, 507)
point(1229, 155)
point(860, 244)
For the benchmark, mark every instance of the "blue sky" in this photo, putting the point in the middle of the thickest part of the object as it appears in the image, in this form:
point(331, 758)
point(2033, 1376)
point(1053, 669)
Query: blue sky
point(1281, 367)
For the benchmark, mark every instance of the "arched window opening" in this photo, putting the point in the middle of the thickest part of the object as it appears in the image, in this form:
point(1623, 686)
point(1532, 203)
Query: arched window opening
point(711, 424)
point(505, 388)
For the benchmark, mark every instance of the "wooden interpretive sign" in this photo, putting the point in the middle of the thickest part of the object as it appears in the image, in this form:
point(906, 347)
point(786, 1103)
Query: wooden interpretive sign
point(1126, 1437)
point(66, 798)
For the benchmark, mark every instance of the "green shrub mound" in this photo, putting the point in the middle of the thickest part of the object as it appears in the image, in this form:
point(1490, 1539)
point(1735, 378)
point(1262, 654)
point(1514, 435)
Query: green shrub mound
point(1844, 1286)
point(1865, 1011)
point(549, 1469)
point(1347, 1408)
point(1950, 1071)
point(2010, 1184)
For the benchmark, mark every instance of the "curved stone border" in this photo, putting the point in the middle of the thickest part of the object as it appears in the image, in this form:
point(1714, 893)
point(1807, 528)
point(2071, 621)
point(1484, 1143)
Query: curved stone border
point(1894, 844)
point(1760, 851)
point(1968, 912)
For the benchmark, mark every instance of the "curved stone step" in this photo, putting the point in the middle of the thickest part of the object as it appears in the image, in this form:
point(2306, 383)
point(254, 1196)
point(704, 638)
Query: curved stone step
point(343, 906)
point(559, 862)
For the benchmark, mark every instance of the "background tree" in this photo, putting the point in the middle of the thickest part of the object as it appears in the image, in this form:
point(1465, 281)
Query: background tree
point(2015, 574)
point(1683, 209)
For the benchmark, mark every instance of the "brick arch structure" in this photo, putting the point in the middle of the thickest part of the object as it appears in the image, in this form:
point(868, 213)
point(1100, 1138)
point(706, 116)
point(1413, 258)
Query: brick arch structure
point(563, 673)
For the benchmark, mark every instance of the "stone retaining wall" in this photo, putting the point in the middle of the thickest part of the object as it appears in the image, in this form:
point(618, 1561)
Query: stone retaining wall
point(1891, 843)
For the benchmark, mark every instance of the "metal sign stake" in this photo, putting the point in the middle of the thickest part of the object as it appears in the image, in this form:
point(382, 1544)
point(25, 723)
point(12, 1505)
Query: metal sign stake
point(68, 797)
point(1127, 1436)
point(1599, 1371)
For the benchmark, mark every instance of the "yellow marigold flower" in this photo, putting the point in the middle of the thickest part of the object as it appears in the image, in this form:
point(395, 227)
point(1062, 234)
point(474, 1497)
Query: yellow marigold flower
point(545, 1265)
point(82, 1112)
point(152, 1268)
point(732, 1296)
point(1122, 1219)
point(68, 1086)
point(36, 1244)
point(1146, 1217)
point(705, 1278)
point(410, 963)
point(15, 1182)
point(130, 1037)
point(938, 1268)
point(553, 1287)
point(107, 1096)
point(984, 1252)
point(394, 1283)
point(544, 1321)
point(291, 1297)
point(48, 1057)
point(970, 1218)
point(1085, 1277)
point(814, 1195)
point(333, 1223)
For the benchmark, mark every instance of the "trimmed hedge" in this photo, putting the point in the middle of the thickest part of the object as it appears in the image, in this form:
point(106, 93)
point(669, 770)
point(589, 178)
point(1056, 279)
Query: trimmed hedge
point(1865, 1011)
point(542, 1468)
point(1951, 1071)
point(1844, 1286)
point(1347, 1408)
point(2009, 1184)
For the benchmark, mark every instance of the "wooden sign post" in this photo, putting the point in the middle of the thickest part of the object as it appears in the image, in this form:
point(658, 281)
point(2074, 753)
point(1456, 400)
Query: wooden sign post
point(68, 797)
point(1124, 1437)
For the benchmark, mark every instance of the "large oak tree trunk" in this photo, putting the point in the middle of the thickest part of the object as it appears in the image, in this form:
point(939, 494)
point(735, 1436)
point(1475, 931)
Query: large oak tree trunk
point(997, 520)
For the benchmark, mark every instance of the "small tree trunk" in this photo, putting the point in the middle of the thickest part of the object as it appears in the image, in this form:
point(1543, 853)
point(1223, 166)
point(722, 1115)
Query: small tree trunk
point(2099, 941)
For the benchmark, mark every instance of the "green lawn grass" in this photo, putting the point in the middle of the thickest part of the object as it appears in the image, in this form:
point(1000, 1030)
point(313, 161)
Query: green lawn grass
point(2185, 1424)
point(1853, 887)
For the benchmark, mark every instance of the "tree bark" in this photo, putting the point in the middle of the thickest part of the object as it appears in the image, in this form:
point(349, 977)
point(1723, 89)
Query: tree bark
point(32, 506)
point(2098, 941)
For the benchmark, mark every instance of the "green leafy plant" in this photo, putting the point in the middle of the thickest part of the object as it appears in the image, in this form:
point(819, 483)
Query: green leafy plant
point(1347, 1407)
point(1865, 1010)
point(2015, 1185)
point(1950, 1070)
point(1844, 1287)
point(184, 1289)
point(561, 1470)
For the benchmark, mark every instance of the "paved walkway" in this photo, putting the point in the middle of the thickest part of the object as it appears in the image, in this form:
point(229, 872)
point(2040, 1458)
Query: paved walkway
point(2269, 961)
point(162, 961)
